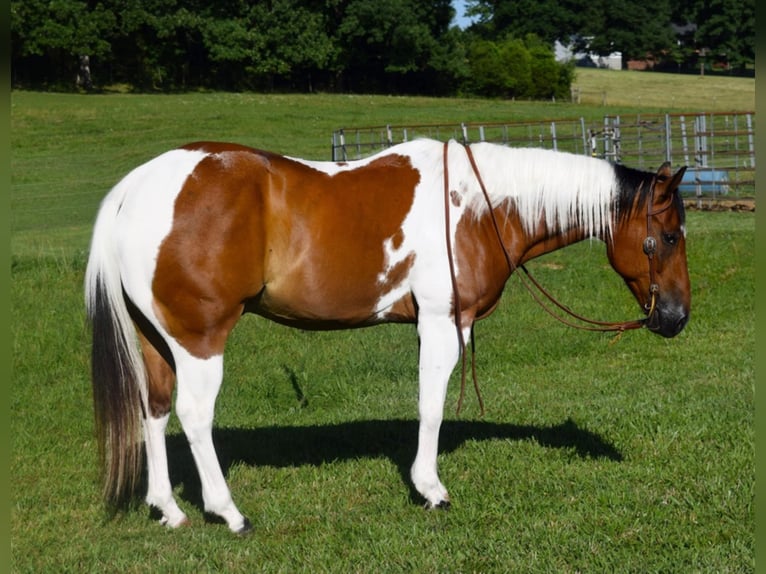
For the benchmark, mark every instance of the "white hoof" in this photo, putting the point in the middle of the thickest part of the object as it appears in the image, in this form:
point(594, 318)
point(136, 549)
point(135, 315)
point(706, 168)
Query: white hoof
point(174, 520)
point(431, 489)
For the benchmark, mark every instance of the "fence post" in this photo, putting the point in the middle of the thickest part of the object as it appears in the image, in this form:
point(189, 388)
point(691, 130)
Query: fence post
point(553, 136)
point(684, 140)
point(668, 140)
point(343, 145)
point(358, 145)
point(700, 136)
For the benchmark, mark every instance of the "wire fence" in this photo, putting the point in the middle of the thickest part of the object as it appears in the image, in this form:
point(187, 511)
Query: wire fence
point(718, 148)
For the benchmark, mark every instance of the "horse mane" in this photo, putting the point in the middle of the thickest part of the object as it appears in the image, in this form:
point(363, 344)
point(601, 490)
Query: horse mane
point(566, 189)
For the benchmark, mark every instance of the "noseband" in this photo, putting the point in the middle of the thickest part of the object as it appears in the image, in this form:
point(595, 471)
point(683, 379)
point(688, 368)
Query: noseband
point(650, 248)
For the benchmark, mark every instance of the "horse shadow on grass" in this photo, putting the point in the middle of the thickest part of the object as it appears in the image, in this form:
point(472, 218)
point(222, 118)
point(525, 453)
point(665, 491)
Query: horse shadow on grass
point(294, 446)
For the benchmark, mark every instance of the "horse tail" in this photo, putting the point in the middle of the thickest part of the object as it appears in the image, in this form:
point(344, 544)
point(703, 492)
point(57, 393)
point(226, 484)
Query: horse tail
point(118, 374)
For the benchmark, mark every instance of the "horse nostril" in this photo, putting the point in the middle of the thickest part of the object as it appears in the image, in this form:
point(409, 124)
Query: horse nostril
point(681, 323)
point(673, 328)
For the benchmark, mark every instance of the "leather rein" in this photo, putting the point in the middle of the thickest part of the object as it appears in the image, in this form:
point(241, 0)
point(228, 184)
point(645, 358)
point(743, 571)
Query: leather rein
point(649, 247)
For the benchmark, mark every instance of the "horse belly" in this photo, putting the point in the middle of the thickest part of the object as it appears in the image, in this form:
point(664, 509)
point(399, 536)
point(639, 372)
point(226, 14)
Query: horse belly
point(340, 288)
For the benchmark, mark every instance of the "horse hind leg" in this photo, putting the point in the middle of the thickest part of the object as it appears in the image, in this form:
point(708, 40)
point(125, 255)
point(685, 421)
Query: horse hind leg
point(160, 385)
point(199, 381)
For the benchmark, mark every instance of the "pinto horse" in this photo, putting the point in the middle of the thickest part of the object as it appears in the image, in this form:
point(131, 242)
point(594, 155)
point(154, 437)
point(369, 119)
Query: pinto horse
point(425, 232)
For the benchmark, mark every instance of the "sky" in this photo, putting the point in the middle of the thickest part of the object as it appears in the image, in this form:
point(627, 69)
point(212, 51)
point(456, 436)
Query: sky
point(460, 19)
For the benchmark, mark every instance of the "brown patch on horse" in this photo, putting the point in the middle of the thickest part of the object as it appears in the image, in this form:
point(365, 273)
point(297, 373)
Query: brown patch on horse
point(482, 267)
point(326, 251)
point(219, 147)
point(161, 378)
point(263, 233)
point(158, 361)
point(455, 198)
point(397, 239)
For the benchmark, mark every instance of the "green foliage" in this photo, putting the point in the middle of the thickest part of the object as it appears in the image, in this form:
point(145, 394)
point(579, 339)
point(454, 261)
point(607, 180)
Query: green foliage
point(512, 68)
point(724, 29)
point(367, 45)
point(550, 20)
point(373, 46)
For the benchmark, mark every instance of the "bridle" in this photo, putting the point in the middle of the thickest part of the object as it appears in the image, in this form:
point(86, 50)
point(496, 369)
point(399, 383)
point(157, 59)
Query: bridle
point(649, 248)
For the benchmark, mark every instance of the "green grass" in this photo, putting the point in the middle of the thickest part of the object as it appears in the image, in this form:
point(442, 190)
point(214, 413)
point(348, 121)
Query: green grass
point(595, 455)
point(666, 92)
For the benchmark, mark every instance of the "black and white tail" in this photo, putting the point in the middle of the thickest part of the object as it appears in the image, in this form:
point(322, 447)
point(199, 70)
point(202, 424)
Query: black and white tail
point(117, 369)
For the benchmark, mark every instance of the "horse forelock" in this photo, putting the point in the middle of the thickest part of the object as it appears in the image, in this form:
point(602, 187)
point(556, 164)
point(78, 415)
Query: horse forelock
point(564, 189)
point(634, 191)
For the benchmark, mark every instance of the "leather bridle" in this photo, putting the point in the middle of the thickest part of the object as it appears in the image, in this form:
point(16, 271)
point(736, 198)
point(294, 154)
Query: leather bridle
point(649, 248)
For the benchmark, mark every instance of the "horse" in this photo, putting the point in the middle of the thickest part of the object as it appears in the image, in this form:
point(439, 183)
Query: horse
point(425, 232)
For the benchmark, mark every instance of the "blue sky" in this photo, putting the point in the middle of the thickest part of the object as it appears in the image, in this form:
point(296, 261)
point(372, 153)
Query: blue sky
point(460, 20)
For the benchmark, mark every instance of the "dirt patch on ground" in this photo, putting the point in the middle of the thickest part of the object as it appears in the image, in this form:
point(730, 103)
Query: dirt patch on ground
point(720, 205)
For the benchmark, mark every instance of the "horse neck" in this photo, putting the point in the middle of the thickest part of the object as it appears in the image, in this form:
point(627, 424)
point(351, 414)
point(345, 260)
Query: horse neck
point(544, 200)
point(522, 246)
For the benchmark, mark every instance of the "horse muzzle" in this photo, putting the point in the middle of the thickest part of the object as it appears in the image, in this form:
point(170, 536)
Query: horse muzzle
point(667, 320)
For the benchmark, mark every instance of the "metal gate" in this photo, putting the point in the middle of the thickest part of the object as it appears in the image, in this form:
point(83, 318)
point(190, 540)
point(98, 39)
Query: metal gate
point(718, 148)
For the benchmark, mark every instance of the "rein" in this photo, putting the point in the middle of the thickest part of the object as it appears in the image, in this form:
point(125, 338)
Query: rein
point(456, 298)
point(649, 247)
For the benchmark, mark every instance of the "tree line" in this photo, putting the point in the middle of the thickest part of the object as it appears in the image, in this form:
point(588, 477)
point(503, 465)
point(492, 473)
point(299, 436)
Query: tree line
point(373, 46)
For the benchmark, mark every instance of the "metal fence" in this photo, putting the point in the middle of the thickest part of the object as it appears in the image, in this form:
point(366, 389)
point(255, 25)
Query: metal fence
point(718, 148)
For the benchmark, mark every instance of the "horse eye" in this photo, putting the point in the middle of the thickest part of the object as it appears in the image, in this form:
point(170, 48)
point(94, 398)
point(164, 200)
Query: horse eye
point(670, 238)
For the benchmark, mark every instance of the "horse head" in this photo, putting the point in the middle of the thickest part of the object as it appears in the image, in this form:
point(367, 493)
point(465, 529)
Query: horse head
point(648, 249)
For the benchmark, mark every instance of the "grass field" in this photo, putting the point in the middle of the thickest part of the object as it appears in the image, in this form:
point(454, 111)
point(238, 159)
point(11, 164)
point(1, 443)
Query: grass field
point(665, 92)
point(595, 455)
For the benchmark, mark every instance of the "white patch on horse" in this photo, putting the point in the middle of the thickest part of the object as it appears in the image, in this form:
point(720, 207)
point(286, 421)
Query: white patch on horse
point(393, 257)
point(139, 231)
point(424, 234)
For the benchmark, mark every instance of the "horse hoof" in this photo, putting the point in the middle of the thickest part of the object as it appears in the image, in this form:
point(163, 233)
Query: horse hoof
point(441, 505)
point(245, 529)
point(177, 522)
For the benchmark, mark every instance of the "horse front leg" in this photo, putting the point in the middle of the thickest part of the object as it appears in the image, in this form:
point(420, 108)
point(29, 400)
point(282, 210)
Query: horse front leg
point(439, 352)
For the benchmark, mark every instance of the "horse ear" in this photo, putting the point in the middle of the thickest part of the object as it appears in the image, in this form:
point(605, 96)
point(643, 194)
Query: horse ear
point(664, 170)
point(668, 182)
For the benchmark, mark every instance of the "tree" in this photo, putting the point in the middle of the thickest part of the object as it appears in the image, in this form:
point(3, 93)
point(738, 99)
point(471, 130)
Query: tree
point(56, 33)
point(392, 44)
point(550, 20)
point(512, 68)
point(549, 79)
point(282, 40)
point(724, 28)
point(632, 27)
